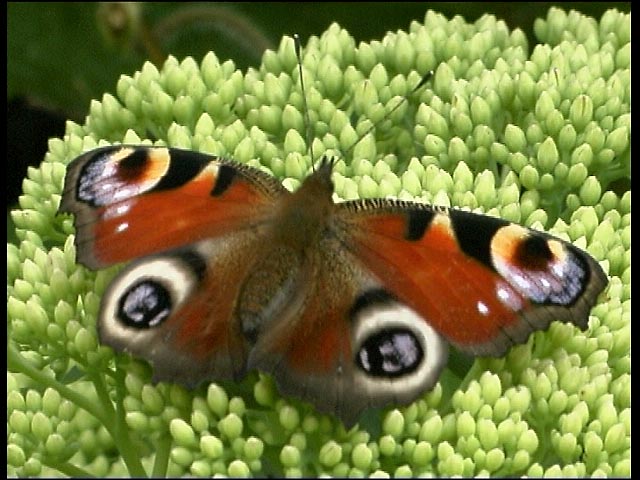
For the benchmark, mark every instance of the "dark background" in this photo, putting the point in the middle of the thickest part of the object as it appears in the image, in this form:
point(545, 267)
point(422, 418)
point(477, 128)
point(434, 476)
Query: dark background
point(63, 55)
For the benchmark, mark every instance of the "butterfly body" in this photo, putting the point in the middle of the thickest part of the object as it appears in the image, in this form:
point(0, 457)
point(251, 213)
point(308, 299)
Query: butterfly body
point(348, 305)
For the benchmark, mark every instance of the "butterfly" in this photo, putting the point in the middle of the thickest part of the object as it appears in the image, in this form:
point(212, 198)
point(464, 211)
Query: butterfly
point(348, 305)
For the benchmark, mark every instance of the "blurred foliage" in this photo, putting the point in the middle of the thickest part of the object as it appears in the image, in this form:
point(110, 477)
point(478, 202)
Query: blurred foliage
point(62, 55)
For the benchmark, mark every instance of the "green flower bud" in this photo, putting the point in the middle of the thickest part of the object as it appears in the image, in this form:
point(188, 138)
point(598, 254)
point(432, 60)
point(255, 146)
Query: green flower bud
point(175, 79)
point(32, 467)
point(577, 175)
point(485, 190)
point(558, 402)
point(495, 459)
point(623, 57)
point(554, 122)
point(590, 192)
point(238, 469)
point(615, 438)
point(535, 134)
point(461, 124)
point(546, 182)
point(294, 143)
point(403, 471)
point(484, 137)
point(137, 421)
point(19, 422)
point(422, 454)
point(292, 120)
point(211, 446)
point(253, 449)
point(289, 417)
point(365, 57)
point(290, 456)
point(51, 402)
point(367, 188)
point(434, 145)
point(443, 80)
point(452, 466)
point(182, 433)
point(393, 423)
point(514, 138)
point(433, 122)
point(487, 434)
point(85, 341)
point(458, 151)
point(217, 399)
point(33, 401)
point(462, 177)
point(15, 456)
point(465, 425)
point(567, 445)
point(480, 111)
point(529, 177)
point(204, 126)
point(571, 423)
point(622, 468)
point(535, 471)
point(365, 149)
point(491, 388)
point(526, 90)
point(231, 426)
point(618, 140)
point(387, 445)
point(544, 106)
point(41, 426)
point(152, 400)
point(330, 454)
point(581, 112)
point(55, 445)
point(431, 430)
point(275, 89)
point(361, 456)
point(200, 468)
point(184, 109)
point(404, 55)
point(169, 413)
point(501, 409)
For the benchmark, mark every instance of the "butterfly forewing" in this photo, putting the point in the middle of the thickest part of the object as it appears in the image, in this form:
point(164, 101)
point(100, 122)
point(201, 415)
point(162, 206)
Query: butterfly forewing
point(132, 201)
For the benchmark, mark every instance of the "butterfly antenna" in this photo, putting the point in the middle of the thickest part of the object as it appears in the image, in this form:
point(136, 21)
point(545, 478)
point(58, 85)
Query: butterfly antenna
point(425, 78)
point(305, 107)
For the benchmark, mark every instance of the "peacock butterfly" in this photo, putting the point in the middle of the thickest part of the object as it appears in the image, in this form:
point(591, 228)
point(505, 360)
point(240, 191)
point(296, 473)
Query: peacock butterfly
point(348, 305)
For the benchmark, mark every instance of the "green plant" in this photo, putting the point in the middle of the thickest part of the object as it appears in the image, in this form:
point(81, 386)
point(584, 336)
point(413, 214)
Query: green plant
point(540, 138)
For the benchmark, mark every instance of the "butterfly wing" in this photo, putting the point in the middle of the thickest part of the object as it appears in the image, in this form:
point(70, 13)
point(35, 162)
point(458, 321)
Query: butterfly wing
point(176, 309)
point(481, 282)
point(134, 201)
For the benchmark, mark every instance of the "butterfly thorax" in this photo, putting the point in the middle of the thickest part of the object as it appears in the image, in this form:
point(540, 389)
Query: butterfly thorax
point(303, 216)
point(276, 286)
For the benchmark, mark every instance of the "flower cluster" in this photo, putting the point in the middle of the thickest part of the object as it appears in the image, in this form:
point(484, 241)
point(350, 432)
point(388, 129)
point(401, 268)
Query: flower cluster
point(541, 138)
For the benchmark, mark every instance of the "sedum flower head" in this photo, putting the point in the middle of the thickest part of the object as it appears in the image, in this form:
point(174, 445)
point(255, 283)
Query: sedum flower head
point(540, 137)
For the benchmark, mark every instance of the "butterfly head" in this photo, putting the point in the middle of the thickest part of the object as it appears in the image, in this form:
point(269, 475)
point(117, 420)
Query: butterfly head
point(319, 183)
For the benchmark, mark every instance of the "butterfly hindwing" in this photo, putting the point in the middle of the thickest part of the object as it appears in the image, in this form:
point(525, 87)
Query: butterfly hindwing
point(176, 309)
point(344, 343)
point(131, 201)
